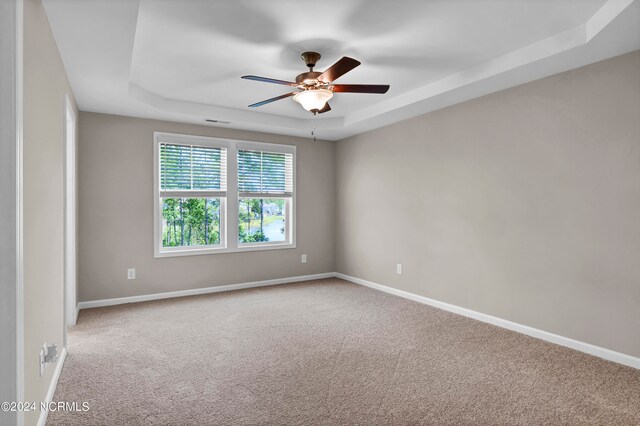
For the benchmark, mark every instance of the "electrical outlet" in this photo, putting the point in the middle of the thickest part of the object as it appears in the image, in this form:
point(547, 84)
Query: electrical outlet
point(42, 363)
point(399, 269)
point(303, 258)
point(131, 273)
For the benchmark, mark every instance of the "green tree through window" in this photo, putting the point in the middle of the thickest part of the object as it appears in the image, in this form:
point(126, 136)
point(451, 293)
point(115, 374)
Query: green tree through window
point(190, 221)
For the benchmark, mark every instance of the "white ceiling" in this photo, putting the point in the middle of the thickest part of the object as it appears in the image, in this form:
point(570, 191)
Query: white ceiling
point(181, 60)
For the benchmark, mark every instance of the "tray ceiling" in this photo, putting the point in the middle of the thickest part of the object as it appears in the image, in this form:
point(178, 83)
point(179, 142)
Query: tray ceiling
point(182, 60)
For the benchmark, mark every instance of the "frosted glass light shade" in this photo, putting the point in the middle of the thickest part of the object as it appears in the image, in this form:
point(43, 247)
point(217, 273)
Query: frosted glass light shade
point(313, 99)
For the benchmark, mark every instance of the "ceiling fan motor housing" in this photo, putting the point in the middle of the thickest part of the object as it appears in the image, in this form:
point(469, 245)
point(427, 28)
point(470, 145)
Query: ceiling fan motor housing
point(308, 78)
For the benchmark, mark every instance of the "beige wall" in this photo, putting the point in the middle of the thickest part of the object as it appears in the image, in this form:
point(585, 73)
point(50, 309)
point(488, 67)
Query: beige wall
point(9, 77)
point(523, 204)
point(45, 87)
point(115, 227)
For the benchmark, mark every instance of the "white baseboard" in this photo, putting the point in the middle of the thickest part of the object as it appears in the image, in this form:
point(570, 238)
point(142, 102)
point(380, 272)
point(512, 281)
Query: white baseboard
point(198, 291)
point(42, 420)
point(588, 348)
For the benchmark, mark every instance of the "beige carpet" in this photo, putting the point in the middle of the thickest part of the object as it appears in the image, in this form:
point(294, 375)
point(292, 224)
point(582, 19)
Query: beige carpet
point(327, 352)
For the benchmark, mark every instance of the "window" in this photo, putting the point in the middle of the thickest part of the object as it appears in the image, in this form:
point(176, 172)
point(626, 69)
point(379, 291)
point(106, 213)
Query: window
point(265, 187)
point(216, 195)
point(192, 195)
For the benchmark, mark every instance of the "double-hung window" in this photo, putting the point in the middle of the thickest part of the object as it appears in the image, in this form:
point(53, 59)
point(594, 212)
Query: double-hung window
point(265, 194)
point(192, 190)
point(216, 195)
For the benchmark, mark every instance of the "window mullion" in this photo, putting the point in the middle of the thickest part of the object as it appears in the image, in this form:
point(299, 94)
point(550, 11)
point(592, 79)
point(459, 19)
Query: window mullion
point(232, 199)
point(191, 168)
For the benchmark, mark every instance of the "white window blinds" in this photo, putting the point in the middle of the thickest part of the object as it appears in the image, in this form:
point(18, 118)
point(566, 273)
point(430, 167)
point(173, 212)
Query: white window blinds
point(192, 169)
point(265, 173)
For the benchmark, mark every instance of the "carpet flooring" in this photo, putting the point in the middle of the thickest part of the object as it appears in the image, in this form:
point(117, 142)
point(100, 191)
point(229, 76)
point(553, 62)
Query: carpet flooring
point(327, 352)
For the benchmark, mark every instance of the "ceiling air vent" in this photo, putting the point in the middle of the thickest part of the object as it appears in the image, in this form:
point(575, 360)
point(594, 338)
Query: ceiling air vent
point(216, 121)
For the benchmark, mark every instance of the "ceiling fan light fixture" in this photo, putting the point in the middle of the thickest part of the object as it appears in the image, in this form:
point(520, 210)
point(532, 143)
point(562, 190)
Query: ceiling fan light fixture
point(317, 87)
point(314, 99)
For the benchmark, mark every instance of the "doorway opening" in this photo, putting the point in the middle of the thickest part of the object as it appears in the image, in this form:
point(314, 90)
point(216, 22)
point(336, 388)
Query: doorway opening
point(70, 216)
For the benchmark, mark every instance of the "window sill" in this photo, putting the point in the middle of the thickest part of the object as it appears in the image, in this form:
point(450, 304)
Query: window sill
point(222, 250)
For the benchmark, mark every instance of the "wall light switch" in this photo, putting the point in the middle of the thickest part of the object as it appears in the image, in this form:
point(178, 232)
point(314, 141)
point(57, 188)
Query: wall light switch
point(399, 269)
point(131, 273)
point(42, 364)
point(303, 258)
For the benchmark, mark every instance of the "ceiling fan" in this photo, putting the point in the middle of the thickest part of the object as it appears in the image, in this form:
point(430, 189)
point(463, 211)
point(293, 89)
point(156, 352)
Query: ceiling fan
point(316, 88)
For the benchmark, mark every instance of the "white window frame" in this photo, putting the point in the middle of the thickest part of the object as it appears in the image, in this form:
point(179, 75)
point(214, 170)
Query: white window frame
point(290, 205)
point(229, 215)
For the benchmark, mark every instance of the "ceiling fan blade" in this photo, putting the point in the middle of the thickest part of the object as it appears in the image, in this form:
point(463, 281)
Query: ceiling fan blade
point(325, 108)
point(268, 80)
point(268, 101)
point(338, 69)
point(361, 88)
